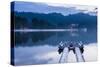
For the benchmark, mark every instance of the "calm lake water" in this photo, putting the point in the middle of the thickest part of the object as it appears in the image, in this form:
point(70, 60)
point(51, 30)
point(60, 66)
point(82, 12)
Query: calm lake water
point(42, 47)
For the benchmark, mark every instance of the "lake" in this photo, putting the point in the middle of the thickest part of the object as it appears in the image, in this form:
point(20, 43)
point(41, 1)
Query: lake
point(42, 47)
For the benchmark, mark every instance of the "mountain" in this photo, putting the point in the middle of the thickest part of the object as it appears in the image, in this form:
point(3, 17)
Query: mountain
point(54, 20)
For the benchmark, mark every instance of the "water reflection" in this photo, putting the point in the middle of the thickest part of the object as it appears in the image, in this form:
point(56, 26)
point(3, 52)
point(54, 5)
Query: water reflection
point(48, 54)
point(53, 38)
point(36, 55)
point(42, 47)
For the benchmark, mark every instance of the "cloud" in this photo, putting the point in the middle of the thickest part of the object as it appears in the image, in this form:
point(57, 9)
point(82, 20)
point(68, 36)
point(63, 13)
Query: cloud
point(64, 9)
point(92, 10)
point(79, 7)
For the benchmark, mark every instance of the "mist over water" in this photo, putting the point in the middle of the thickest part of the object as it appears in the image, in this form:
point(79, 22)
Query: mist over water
point(35, 38)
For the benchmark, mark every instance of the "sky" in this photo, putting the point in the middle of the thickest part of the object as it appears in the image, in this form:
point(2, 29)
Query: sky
point(64, 9)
